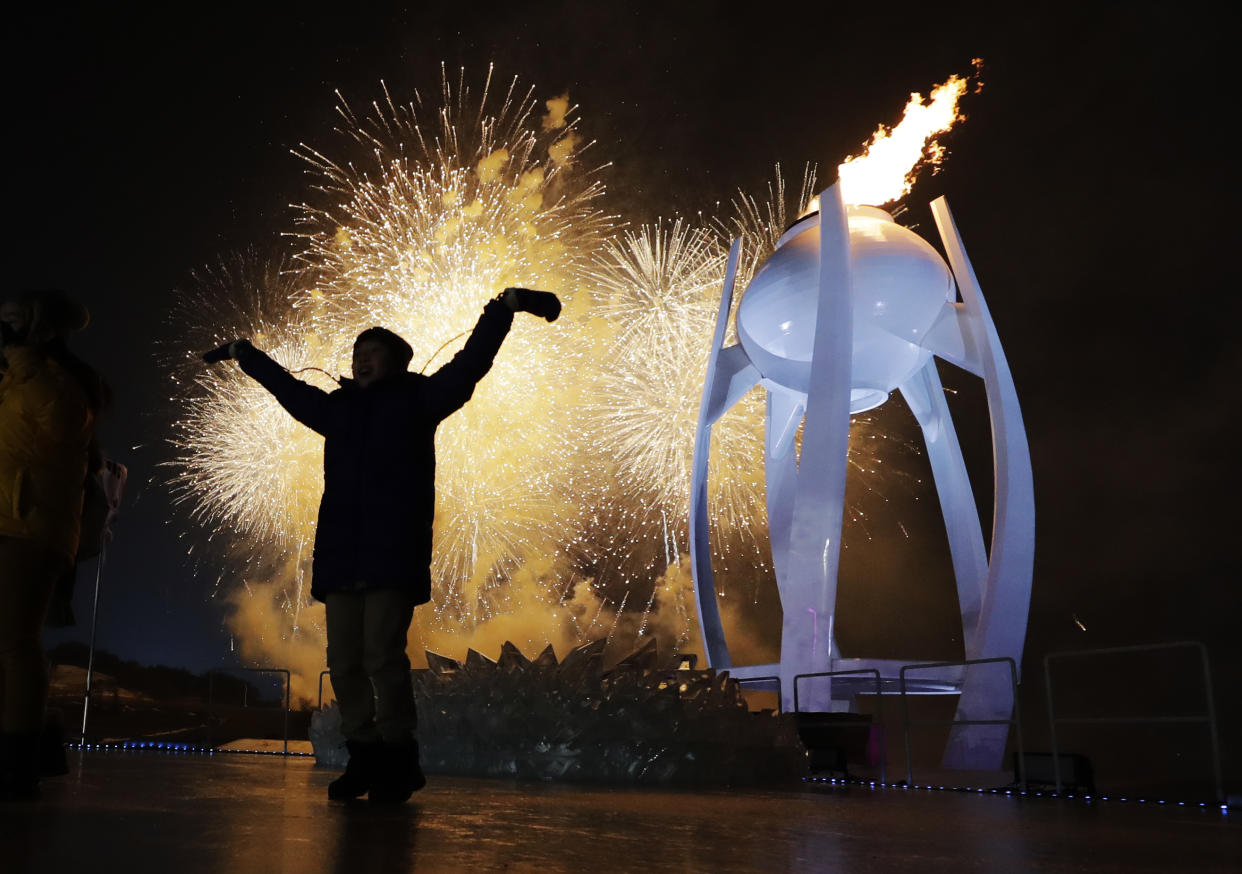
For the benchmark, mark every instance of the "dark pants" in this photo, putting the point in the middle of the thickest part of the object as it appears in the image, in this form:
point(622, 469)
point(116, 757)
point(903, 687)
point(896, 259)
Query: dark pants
point(370, 670)
point(28, 573)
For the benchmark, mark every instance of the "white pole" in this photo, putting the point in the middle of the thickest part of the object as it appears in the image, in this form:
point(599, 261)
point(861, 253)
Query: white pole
point(90, 658)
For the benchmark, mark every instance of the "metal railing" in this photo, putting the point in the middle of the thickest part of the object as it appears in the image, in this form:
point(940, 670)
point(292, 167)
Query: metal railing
point(879, 706)
point(322, 674)
point(1015, 719)
point(797, 677)
point(245, 700)
point(768, 679)
point(1209, 718)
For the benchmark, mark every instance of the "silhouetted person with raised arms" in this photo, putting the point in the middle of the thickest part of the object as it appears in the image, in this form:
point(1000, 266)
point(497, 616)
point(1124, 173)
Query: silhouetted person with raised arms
point(372, 561)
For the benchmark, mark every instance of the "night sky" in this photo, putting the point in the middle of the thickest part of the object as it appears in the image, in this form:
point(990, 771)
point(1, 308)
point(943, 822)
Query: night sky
point(1091, 185)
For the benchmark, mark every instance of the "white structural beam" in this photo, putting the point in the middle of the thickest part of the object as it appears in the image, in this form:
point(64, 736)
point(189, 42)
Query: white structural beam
point(925, 397)
point(809, 593)
point(726, 373)
point(784, 413)
point(1001, 631)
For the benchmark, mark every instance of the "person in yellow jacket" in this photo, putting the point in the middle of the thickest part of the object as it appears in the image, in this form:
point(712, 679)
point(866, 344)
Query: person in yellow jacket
point(49, 400)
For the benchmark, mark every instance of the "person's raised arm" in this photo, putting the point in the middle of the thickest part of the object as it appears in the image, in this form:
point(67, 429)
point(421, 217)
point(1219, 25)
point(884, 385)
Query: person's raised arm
point(306, 403)
point(453, 384)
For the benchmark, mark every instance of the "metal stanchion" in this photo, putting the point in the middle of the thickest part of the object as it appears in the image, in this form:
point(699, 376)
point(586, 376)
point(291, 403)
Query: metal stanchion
point(112, 479)
point(90, 657)
point(323, 674)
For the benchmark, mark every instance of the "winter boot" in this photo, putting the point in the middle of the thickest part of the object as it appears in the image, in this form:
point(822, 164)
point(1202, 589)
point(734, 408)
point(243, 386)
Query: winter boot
point(398, 775)
point(359, 773)
point(19, 767)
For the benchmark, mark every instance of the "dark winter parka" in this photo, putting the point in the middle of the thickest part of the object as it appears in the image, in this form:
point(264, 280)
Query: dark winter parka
point(379, 462)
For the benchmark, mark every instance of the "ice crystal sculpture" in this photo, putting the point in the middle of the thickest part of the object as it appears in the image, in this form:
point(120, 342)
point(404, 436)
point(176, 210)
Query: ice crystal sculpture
point(643, 721)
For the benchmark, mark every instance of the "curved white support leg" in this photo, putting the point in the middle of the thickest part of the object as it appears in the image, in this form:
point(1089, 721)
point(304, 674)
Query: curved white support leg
point(1007, 595)
point(809, 595)
point(925, 396)
point(784, 413)
point(729, 376)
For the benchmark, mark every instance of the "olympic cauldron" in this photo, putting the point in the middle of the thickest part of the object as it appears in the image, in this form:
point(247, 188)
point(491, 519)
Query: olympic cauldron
point(849, 308)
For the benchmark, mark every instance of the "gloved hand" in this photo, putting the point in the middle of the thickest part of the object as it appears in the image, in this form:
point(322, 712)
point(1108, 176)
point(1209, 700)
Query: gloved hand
point(227, 351)
point(528, 300)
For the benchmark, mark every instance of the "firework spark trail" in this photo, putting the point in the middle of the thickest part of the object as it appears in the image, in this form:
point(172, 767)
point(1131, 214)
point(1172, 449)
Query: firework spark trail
point(760, 223)
point(243, 465)
point(658, 291)
point(242, 461)
point(418, 239)
point(659, 287)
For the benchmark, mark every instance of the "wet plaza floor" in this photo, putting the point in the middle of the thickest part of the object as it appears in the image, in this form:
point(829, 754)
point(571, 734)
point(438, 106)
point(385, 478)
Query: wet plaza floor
point(189, 813)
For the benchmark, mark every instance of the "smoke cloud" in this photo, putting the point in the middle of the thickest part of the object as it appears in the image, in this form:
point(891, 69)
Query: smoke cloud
point(490, 167)
point(264, 627)
point(267, 637)
point(562, 151)
point(558, 108)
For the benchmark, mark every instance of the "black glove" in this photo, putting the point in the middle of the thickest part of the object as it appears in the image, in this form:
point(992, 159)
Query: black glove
point(528, 300)
point(227, 351)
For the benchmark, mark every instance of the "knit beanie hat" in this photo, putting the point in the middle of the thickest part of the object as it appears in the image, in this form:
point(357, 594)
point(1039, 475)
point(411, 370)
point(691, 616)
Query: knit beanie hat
point(399, 348)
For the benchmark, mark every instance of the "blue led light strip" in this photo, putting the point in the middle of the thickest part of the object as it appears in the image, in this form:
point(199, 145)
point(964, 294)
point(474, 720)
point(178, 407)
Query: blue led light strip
point(1089, 799)
point(166, 747)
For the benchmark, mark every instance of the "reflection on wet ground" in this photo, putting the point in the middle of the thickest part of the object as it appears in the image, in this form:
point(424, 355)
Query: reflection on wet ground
point(187, 813)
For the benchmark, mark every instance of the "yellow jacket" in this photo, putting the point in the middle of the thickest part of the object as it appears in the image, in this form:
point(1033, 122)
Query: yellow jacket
point(45, 431)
